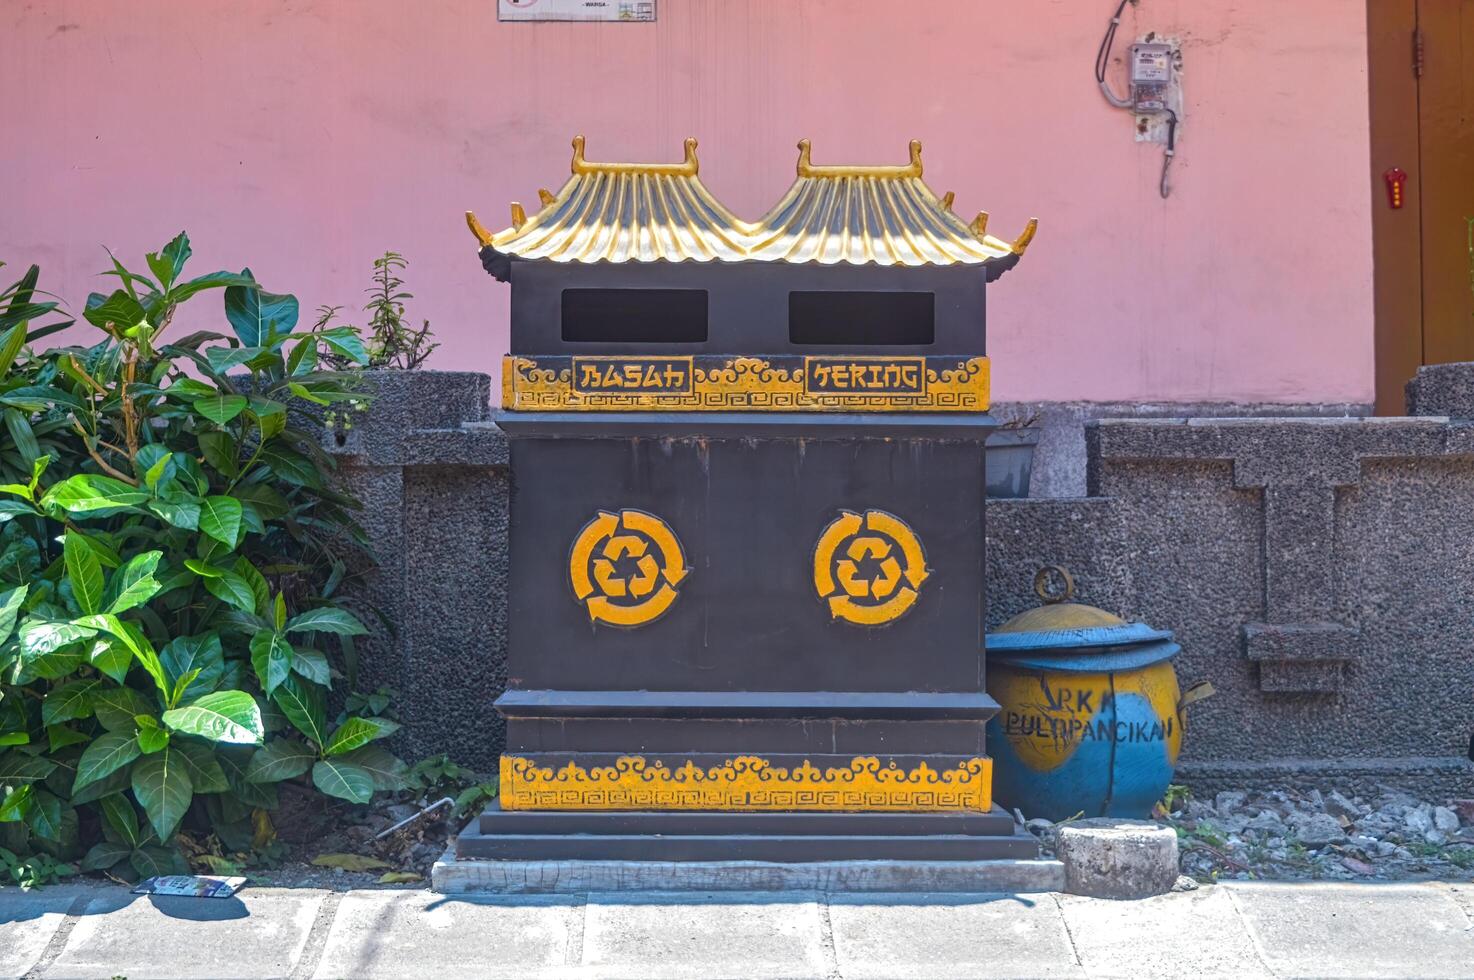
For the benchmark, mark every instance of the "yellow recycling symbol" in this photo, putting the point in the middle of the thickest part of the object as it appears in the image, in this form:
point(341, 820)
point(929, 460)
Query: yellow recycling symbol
point(868, 567)
point(625, 567)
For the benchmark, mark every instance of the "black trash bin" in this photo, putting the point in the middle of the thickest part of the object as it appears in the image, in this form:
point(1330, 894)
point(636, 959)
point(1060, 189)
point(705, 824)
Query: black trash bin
point(747, 570)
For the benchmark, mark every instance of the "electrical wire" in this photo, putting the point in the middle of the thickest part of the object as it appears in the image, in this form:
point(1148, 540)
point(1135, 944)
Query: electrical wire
point(1103, 59)
point(1102, 63)
point(1169, 153)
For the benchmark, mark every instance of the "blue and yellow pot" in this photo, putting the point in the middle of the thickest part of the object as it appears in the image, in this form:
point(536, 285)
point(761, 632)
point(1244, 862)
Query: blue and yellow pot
point(1090, 717)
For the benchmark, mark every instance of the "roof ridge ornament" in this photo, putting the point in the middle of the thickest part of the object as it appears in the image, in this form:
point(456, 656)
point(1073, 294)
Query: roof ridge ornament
point(1022, 241)
point(806, 167)
point(686, 168)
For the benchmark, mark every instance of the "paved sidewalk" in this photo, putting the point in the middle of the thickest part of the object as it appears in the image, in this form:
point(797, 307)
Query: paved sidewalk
point(1238, 930)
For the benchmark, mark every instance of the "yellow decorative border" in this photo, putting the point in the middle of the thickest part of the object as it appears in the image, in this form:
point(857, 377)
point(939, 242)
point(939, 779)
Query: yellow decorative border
point(744, 384)
point(746, 783)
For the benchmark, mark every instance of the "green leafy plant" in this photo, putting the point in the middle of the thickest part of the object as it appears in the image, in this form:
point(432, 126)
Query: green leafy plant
point(32, 871)
point(437, 775)
point(169, 555)
point(391, 341)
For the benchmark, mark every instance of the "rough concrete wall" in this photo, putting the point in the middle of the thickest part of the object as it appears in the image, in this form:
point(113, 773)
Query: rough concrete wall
point(1318, 571)
point(1059, 459)
point(455, 628)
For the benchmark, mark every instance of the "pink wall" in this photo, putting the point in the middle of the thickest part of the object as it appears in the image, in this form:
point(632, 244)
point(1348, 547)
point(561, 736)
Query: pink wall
point(304, 138)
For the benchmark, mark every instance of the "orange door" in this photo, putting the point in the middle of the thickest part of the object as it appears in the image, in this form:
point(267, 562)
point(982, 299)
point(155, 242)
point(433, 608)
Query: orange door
point(1421, 68)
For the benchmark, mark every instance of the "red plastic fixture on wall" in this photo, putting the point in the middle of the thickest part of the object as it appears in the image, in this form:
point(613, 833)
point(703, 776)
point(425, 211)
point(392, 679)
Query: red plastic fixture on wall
point(1396, 180)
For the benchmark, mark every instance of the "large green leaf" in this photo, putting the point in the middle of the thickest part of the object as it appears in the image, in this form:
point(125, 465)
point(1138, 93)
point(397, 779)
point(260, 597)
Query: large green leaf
point(388, 771)
point(313, 665)
point(45, 815)
point(303, 704)
point(219, 450)
point(205, 774)
point(116, 708)
point(358, 732)
point(116, 782)
point(194, 653)
point(84, 571)
point(222, 359)
point(269, 503)
point(220, 409)
point(271, 656)
point(22, 435)
point(161, 784)
point(177, 509)
point(224, 716)
point(343, 780)
point(11, 343)
point(87, 493)
point(236, 760)
point(68, 702)
point(167, 264)
point(220, 518)
point(282, 758)
point(327, 620)
point(122, 819)
point(60, 736)
point(291, 465)
point(136, 642)
point(210, 280)
point(134, 583)
point(255, 314)
point(256, 581)
point(120, 309)
point(108, 753)
point(15, 802)
point(15, 508)
point(231, 589)
point(50, 666)
point(110, 656)
point(10, 603)
point(39, 637)
point(103, 855)
point(152, 737)
point(22, 767)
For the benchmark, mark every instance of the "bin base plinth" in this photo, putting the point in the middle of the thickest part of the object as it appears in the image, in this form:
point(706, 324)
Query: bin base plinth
point(705, 836)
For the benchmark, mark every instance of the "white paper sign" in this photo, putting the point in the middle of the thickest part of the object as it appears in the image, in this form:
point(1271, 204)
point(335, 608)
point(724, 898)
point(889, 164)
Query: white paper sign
point(626, 10)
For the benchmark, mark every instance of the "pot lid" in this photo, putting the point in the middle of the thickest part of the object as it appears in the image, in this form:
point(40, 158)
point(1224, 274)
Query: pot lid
point(1063, 625)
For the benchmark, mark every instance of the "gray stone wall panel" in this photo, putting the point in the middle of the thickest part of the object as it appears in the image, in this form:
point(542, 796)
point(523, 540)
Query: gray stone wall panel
point(1319, 571)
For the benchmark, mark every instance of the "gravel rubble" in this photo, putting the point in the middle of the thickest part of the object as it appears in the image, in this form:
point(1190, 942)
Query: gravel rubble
point(1313, 835)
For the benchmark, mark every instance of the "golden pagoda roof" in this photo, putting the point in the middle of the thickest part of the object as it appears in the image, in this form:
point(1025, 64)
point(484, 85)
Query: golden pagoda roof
point(636, 212)
point(859, 215)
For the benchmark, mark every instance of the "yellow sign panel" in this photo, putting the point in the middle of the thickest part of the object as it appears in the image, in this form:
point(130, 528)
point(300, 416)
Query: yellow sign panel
point(869, 567)
point(734, 383)
point(624, 568)
point(746, 783)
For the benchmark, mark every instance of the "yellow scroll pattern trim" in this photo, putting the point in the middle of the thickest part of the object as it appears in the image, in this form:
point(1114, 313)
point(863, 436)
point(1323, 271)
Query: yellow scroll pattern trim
point(746, 783)
point(741, 384)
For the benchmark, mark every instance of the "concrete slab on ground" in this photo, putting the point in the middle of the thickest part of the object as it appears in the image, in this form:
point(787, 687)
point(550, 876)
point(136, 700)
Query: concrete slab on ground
point(260, 932)
point(939, 936)
point(1228, 930)
point(27, 923)
point(450, 876)
point(1197, 934)
point(715, 935)
point(395, 934)
point(1315, 930)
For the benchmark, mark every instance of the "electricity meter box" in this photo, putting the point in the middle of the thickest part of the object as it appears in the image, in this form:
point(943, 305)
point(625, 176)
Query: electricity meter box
point(747, 585)
point(1151, 76)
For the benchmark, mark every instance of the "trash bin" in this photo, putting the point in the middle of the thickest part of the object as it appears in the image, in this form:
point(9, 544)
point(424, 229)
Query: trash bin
point(746, 539)
point(1090, 717)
